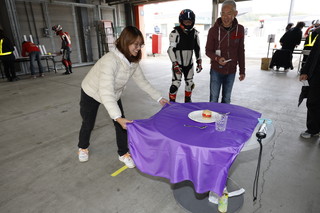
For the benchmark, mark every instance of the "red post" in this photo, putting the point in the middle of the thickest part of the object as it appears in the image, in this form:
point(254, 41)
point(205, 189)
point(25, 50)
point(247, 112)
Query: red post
point(156, 44)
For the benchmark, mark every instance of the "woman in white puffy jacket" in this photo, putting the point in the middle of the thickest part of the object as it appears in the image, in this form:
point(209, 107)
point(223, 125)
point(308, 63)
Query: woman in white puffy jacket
point(105, 83)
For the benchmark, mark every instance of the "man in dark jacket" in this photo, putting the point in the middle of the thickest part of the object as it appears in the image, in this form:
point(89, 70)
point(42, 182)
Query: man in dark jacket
point(7, 57)
point(311, 72)
point(225, 48)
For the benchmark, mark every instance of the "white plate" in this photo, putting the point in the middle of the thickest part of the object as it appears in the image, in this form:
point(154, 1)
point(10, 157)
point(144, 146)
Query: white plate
point(197, 116)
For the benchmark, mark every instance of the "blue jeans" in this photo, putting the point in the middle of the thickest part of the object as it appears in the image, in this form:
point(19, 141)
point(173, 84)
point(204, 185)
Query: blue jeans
point(35, 56)
point(216, 81)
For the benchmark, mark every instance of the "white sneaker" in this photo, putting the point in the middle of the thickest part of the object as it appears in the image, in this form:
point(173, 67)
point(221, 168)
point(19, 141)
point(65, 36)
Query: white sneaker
point(307, 135)
point(126, 159)
point(83, 155)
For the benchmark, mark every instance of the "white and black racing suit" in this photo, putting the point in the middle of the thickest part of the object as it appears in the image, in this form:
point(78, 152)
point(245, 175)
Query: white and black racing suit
point(182, 45)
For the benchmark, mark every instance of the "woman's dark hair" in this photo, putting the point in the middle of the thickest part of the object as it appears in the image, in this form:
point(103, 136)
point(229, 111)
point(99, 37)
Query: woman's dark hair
point(289, 26)
point(127, 37)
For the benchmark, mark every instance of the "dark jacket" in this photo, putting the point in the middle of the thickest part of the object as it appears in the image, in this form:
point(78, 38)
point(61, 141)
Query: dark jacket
point(231, 46)
point(291, 39)
point(309, 40)
point(7, 46)
point(312, 66)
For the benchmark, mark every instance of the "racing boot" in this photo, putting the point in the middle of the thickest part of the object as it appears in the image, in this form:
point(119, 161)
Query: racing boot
point(67, 72)
point(187, 97)
point(66, 65)
point(172, 97)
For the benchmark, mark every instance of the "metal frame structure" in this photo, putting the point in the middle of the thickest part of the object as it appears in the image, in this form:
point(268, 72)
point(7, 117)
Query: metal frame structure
point(11, 23)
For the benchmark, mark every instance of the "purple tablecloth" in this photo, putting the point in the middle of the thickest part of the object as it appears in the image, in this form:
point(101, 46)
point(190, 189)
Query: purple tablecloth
point(163, 146)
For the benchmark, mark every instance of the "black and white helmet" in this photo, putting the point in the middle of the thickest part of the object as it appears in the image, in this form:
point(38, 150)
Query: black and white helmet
point(187, 14)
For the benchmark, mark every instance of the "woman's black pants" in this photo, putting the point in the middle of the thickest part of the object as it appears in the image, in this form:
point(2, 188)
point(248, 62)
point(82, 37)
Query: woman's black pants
point(88, 111)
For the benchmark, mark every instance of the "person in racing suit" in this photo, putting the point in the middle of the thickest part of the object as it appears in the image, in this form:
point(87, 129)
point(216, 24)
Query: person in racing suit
point(184, 39)
point(65, 48)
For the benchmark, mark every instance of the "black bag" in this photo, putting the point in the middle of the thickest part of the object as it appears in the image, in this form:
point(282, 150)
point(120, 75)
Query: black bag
point(303, 94)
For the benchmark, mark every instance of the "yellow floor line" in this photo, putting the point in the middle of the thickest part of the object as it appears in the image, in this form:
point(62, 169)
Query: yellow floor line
point(119, 171)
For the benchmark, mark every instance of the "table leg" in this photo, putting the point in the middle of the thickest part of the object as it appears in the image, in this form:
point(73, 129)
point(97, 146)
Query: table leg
point(185, 195)
point(54, 64)
point(47, 64)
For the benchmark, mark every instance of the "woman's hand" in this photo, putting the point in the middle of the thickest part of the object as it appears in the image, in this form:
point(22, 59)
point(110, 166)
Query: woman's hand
point(164, 101)
point(123, 122)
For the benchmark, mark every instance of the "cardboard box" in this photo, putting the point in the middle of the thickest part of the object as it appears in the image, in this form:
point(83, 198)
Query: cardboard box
point(265, 62)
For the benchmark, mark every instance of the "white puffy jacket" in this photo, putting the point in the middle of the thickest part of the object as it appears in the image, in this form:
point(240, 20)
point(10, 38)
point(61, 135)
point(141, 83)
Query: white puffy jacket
point(107, 79)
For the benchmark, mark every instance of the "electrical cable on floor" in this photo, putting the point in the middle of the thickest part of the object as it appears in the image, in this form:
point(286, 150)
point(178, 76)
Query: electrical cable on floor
point(262, 133)
point(256, 179)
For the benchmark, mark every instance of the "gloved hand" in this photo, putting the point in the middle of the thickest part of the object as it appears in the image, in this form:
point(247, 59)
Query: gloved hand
point(199, 65)
point(176, 67)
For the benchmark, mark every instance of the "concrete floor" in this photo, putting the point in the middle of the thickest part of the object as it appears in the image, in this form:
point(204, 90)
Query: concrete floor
point(40, 171)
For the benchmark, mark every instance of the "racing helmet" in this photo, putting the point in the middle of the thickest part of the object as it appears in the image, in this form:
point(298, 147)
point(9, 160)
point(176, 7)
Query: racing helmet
point(187, 14)
point(57, 27)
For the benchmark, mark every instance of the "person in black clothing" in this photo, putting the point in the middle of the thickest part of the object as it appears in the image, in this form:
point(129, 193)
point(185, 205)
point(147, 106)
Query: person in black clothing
point(311, 72)
point(7, 57)
point(288, 41)
point(292, 37)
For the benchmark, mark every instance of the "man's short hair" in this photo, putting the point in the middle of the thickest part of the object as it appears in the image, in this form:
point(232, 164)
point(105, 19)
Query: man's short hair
point(230, 2)
point(300, 24)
